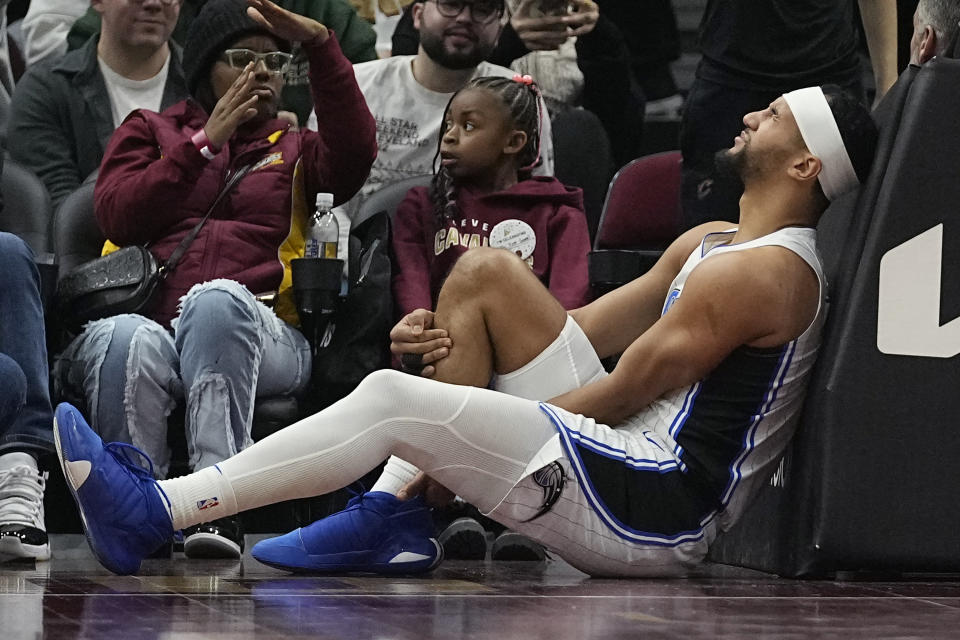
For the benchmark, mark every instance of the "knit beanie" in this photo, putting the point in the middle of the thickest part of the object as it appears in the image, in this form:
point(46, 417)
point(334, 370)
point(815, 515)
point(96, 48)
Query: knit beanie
point(219, 24)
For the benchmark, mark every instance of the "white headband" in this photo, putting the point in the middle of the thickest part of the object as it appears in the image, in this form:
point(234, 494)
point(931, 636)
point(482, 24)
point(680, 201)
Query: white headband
point(822, 137)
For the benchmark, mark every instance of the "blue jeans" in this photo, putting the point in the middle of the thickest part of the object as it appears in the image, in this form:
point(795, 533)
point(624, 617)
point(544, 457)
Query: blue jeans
point(226, 350)
point(26, 421)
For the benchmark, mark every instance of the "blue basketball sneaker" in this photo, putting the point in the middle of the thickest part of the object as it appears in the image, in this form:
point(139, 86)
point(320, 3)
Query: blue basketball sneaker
point(123, 516)
point(376, 533)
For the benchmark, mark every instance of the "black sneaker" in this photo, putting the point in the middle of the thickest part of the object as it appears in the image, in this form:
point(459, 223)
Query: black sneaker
point(464, 539)
point(510, 546)
point(219, 539)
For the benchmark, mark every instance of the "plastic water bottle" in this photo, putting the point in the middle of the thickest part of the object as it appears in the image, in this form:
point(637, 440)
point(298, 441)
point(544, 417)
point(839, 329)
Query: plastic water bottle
point(324, 231)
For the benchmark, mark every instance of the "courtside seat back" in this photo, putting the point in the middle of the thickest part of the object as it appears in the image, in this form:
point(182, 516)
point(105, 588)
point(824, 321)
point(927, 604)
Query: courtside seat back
point(871, 478)
point(26, 212)
point(641, 217)
point(388, 198)
point(582, 157)
point(77, 237)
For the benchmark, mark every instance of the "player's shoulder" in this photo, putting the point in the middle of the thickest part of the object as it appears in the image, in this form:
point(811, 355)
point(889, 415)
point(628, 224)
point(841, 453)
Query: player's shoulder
point(761, 275)
point(688, 241)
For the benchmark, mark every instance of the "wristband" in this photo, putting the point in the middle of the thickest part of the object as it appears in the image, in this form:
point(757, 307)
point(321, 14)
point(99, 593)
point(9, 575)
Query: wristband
point(203, 144)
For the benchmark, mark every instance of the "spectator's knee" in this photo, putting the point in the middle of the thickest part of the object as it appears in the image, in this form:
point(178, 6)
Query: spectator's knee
point(485, 268)
point(98, 335)
point(124, 327)
point(220, 301)
point(221, 305)
point(149, 348)
point(127, 329)
point(16, 257)
point(14, 393)
point(142, 335)
point(221, 297)
point(127, 343)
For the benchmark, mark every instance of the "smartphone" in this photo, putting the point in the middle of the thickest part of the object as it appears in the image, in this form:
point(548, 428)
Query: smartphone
point(554, 7)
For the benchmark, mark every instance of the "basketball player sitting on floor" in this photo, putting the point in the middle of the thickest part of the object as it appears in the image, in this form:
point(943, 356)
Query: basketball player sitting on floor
point(631, 473)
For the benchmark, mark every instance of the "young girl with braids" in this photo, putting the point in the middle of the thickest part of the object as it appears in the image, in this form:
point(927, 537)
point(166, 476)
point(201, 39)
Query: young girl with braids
point(483, 194)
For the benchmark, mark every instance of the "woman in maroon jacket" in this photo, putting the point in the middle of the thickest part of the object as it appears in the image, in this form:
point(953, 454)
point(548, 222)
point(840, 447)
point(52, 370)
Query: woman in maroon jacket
point(159, 177)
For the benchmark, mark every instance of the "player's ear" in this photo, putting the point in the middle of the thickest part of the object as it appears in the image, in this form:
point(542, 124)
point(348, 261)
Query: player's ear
point(805, 166)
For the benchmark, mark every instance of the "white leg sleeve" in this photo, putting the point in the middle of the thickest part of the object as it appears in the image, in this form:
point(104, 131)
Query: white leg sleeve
point(568, 363)
point(476, 442)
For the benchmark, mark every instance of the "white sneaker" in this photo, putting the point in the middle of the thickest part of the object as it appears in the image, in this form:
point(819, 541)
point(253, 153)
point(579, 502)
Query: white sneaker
point(23, 534)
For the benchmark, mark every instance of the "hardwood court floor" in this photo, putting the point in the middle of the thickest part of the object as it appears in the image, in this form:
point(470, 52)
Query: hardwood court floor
point(72, 596)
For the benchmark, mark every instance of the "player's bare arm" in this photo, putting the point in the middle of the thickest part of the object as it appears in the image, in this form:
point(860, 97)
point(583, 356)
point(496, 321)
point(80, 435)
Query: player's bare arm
point(763, 297)
point(613, 321)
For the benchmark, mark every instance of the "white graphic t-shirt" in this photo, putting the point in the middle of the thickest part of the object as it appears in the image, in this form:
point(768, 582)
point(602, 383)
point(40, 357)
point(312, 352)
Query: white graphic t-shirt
point(127, 95)
point(408, 122)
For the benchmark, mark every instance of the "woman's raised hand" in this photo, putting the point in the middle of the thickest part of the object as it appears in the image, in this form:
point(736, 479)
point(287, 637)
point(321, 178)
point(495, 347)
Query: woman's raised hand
point(235, 106)
point(286, 24)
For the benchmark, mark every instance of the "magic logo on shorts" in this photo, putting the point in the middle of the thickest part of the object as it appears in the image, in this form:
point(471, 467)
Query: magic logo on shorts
point(208, 503)
point(551, 479)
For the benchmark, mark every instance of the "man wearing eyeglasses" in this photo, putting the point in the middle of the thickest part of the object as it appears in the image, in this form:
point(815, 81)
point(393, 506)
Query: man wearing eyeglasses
point(64, 111)
point(407, 94)
point(356, 37)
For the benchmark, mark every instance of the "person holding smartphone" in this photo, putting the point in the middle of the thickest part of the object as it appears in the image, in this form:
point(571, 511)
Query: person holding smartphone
point(594, 72)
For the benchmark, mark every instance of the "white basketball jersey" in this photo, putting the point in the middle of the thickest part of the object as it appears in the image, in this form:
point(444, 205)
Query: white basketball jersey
point(732, 427)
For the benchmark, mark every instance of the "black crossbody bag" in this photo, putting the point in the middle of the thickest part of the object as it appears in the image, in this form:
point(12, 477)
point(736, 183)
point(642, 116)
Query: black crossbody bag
point(125, 280)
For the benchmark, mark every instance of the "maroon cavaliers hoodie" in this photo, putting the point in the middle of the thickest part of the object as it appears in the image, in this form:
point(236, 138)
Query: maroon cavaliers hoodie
point(539, 219)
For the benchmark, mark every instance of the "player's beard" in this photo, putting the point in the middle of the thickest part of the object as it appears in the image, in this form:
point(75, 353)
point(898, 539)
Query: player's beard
point(731, 168)
point(433, 45)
